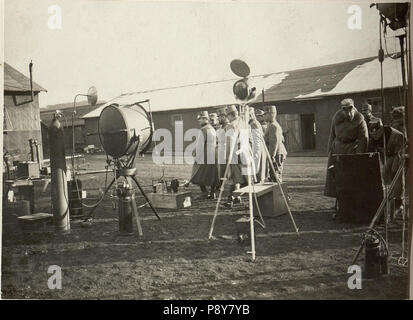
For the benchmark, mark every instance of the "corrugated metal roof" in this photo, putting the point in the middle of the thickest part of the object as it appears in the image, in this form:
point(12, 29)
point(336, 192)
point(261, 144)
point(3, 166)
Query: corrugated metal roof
point(334, 79)
point(17, 81)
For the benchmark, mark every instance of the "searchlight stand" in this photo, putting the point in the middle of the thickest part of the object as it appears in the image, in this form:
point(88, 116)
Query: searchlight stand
point(124, 191)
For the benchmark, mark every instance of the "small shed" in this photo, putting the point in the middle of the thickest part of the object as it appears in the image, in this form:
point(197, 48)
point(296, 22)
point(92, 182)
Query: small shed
point(21, 120)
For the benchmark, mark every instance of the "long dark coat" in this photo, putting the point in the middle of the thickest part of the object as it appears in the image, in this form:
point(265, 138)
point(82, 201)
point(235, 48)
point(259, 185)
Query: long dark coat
point(346, 137)
point(204, 170)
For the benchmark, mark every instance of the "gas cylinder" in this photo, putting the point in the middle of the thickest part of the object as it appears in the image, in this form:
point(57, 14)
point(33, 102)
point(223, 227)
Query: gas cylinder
point(124, 193)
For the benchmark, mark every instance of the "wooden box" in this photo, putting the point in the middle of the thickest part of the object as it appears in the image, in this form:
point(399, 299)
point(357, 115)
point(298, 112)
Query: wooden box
point(175, 201)
point(28, 169)
point(270, 199)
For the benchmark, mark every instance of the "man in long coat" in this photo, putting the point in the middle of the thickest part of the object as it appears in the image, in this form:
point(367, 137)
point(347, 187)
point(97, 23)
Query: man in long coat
point(235, 175)
point(274, 140)
point(348, 135)
point(204, 171)
point(256, 142)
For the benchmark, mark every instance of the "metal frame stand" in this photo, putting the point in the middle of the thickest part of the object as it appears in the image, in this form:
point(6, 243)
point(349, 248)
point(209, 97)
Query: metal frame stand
point(244, 114)
point(126, 170)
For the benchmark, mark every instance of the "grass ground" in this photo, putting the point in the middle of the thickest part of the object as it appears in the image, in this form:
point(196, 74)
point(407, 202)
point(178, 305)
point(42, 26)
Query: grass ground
point(176, 260)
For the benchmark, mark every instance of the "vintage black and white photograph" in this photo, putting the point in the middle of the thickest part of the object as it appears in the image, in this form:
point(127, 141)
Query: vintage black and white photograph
point(205, 150)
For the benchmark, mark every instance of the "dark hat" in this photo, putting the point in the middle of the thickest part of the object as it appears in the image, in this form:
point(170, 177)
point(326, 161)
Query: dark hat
point(366, 106)
point(203, 114)
point(222, 111)
point(271, 109)
point(259, 112)
point(232, 109)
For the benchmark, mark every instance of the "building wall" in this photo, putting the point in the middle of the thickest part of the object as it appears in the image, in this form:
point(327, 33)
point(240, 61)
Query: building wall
point(21, 122)
point(323, 110)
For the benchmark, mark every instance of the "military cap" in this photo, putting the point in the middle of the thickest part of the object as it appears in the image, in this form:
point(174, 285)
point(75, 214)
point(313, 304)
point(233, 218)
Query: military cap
point(271, 109)
point(203, 114)
point(232, 109)
point(213, 115)
point(397, 112)
point(366, 106)
point(222, 111)
point(259, 112)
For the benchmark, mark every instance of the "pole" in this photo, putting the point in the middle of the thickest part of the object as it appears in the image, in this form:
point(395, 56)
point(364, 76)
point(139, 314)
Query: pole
point(252, 231)
point(60, 201)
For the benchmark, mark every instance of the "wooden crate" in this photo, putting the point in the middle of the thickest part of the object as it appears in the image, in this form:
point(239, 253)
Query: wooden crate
point(269, 198)
point(175, 201)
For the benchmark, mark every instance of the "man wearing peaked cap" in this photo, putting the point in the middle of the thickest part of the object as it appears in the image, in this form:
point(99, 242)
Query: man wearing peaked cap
point(348, 135)
point(202, 114)
point(204, 170)
point(259, 114)
point(213, 119)
point(256, 144)
point(274, 140)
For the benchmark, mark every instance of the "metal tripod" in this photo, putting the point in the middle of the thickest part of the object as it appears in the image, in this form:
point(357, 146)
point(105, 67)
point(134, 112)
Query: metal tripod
point(127, 171)
point(250, 186)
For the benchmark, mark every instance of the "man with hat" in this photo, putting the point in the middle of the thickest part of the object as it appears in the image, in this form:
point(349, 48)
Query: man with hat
point(213, 120)
point(397, 118)
point(223, 123)
point(235, 175)
point(348, 135)
point(366, 111)
point(274, 140)
point(256, 143)
point(394, 149)
point(259, 114)
point(204, 171)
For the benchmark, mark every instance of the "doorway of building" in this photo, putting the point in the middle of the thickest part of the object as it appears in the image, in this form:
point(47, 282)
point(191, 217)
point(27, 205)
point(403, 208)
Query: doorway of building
point(308, 131)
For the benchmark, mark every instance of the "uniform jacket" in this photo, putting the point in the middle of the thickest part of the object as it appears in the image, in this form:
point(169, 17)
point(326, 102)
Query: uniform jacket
point(347, 137)
point(206, 142)
point(275, 140)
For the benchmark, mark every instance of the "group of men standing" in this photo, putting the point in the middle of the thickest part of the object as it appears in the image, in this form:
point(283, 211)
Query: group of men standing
point(360, 132)
point(239, 150)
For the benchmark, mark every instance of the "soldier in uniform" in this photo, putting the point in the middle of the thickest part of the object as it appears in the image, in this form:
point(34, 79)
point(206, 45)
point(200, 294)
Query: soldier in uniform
point(397, 118)
point(348, 135)
point(204, 171)
point(366, 111)
point(394, 149)
point(274, 140)
point(223, 123)
point(235, 175)
point(256, 143)
point(260, 115)
point(213, 120)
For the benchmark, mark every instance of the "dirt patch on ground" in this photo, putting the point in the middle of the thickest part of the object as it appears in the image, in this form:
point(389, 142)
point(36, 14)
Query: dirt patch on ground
point(176, 260)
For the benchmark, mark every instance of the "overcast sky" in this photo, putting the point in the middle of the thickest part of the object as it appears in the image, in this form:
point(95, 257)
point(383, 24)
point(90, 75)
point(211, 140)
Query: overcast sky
point(125, 46)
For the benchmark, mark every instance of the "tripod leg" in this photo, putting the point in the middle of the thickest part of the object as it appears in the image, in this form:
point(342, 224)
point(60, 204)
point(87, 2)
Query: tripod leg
point(146, 198)
point(281, 189)
point(90, 215)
